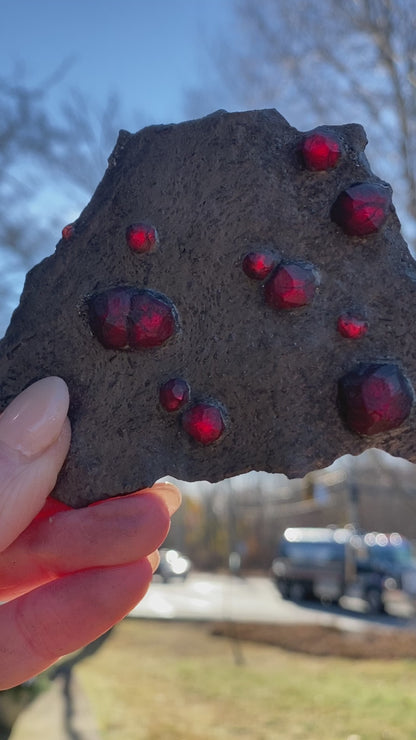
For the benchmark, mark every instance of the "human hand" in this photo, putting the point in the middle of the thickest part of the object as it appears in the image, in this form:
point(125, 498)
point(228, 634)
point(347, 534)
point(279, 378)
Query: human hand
point(66, 575)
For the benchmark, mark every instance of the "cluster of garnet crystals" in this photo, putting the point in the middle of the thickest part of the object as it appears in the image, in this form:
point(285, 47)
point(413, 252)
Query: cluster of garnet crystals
point(372, 398)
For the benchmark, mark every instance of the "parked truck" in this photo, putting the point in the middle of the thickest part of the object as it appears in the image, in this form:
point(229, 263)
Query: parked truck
point(328, 563)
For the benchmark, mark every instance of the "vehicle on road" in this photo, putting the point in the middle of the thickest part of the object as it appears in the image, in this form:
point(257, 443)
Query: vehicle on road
point(173, 565)
point(328, 563)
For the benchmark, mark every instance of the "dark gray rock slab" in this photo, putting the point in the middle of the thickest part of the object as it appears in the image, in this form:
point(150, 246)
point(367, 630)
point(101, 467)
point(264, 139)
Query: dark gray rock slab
point(217, 189)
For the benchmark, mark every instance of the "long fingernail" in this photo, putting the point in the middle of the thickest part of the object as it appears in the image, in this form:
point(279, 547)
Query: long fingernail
point(170, 495)
point(154, 559)
point(34, 419)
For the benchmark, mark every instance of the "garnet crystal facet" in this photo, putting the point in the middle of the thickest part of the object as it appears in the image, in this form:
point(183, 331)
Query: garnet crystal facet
point(320, 151)
point(68, 232)
point(128, 318)
point(258, 265)
point(141, 237)
point(352, 327)
point(363, 208)
point(292, 285)
point(374, 398)
point(174, 394)
point(204, 422)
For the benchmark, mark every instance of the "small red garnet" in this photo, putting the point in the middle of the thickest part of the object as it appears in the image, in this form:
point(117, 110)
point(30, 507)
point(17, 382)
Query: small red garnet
point(352, 327)
point(258, 265)
point(68, 231)
point(292, 285)
point(320, 151)
point(204, 423)
point(141, 237)
point(108, 314)
point(174, 394)
point(151, 321)
point(363, 208)
point(374, 398)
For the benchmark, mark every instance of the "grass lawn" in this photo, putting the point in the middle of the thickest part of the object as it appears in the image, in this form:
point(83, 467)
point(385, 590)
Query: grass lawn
point(176, 681)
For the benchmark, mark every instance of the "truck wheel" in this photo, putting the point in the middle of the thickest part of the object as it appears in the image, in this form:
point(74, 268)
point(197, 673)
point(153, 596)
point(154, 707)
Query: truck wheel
point(297, 591)
point(375, 601)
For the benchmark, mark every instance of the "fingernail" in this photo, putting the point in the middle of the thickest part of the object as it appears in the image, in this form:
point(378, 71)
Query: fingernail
point(154, 559)
point(170, 495)
point(34, 419)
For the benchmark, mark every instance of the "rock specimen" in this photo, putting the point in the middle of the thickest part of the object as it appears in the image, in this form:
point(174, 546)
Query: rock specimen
point(236, 296)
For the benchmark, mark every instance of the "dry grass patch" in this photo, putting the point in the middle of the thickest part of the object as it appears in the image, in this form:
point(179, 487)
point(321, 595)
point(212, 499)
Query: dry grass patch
point(170, 681)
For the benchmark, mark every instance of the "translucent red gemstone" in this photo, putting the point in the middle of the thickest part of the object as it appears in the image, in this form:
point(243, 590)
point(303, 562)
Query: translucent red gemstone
point(363, 208)
point(320, 151)
point(174, 394)
point(204, 422)
point(374, 398)
point(352, 327)
point(68, 231)
point(258, 265)
point(292, 285)
point(141, 237)
point(128, 318)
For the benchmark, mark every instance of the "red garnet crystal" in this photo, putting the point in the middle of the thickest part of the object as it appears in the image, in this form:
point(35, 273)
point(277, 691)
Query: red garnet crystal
point(363, 208)
point(128, 318)
point(320, 151)
point(374, 398)
point(204, 422)
point(292, 285)
point(352, 327)
point(141, 237)
point(152, 318)
point(174, 394)
point(258, 265)
point(68, 231)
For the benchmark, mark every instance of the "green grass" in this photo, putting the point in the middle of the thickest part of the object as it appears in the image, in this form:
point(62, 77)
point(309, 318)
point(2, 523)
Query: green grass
point(168, 681)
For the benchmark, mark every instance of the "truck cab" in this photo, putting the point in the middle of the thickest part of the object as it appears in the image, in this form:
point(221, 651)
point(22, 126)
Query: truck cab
point(328, 563)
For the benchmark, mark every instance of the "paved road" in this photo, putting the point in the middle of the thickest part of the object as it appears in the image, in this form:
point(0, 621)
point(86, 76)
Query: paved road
point(211, 597)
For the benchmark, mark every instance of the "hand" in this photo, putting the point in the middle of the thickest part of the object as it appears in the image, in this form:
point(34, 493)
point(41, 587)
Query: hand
point(67, 575)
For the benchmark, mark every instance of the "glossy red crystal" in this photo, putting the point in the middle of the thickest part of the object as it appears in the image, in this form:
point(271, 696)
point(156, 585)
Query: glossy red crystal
point(204, 422)
point(292, 285)
point(128, 318)
point(320, 151)
point(174, 394)
point(363, 208)
point(352, 327)
point(152, 320)
point(374, 398)
point(108, 314)
point(258, 265)
point(141, 237)
point(68, 231)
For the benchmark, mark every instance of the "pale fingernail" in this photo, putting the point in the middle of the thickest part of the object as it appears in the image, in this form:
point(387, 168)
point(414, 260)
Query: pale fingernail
point(154, 560)
point(170, 495)
point(34, 419)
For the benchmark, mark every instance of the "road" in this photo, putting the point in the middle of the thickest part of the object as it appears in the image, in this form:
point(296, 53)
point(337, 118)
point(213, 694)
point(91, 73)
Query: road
point(213, 597)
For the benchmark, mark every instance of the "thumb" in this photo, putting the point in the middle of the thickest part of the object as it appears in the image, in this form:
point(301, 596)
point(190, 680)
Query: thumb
point(34, 440)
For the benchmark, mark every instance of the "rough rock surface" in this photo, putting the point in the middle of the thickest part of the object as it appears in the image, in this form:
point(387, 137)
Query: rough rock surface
point(217, 189)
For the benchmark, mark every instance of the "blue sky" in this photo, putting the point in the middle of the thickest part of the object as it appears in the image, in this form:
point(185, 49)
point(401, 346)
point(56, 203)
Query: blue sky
point(150, 52)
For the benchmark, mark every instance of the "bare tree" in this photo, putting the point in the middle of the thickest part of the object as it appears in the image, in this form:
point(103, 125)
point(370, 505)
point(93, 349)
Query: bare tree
point(51, 159)
point(329, 62)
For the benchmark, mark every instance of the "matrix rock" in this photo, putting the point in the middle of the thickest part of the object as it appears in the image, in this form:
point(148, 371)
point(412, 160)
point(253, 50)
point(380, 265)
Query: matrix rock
point(236, 296)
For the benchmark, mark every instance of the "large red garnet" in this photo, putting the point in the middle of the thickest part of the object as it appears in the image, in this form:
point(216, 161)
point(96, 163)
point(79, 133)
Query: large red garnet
point(68, 232)
point(141, 237)
point(174, 394)
point(374, 398)
point(363, 208)
point(204, 422)
point(292, 285)
point(258, 265)
point(129, 318)
point(320, 151)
